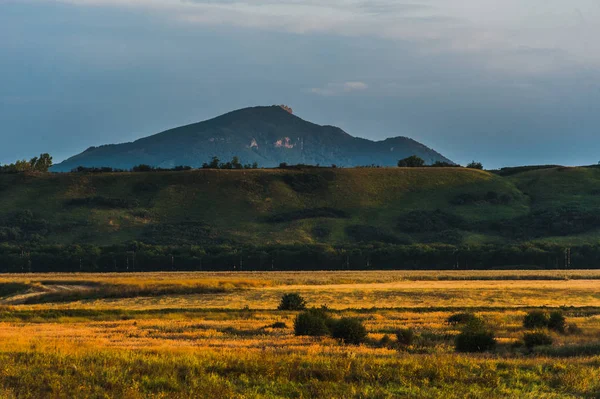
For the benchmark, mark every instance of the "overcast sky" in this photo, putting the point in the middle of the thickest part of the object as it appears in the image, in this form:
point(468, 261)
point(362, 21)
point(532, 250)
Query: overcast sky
point(504, 82)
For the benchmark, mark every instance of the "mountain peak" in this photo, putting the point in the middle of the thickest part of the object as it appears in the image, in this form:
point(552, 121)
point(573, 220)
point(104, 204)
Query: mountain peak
point(268, 135)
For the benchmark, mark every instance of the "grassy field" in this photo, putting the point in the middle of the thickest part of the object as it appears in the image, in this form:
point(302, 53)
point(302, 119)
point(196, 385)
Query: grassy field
point(213, 335)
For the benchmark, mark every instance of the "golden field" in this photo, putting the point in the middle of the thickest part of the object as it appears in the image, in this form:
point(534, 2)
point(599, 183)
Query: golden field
point(211, 335)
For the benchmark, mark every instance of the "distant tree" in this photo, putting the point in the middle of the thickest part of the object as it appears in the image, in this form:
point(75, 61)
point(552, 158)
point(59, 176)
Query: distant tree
point(236, 164)
point(37, 164)
point(42, 164)
point(255, 165)
point(411, 162)
point(214, 163)
point(475, 165)
point(283, 165)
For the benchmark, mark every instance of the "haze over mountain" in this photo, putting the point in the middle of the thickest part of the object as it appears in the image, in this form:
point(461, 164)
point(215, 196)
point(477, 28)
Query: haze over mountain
point(265, 135)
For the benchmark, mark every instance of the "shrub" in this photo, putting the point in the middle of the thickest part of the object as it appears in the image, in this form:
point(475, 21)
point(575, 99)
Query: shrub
point(536, 319)
point(475, 341)
point(461, 318)
point(405, 336)
point(385, 341)
point(350, 330)
point(537, 338)
point(313, 322)
point(292, 302)
point(557, 322)
point(475, 337)
point(278, 324)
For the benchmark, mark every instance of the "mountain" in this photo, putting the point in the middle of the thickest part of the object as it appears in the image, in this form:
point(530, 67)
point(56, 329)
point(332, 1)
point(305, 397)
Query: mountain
point(266, 135)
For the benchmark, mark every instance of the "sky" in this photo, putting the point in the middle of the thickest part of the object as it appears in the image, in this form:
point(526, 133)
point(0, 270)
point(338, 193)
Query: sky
point(505, 83)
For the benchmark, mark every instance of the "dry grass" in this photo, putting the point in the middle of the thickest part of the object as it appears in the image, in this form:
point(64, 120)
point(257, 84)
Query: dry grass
point(220, 343)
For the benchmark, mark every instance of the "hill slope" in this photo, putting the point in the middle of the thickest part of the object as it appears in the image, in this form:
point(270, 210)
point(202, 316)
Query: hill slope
point(300, 219)
point(266, 135)
point(326, 205)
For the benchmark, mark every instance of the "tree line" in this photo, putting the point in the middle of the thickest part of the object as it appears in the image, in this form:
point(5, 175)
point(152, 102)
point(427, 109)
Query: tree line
point(417, 162)
point(138, 256)
point(35, 164)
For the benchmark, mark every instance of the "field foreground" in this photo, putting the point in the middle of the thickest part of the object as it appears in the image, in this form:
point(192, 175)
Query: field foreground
point(213, 335)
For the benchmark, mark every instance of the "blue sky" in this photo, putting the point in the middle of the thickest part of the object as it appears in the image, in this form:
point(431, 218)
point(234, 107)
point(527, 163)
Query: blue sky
point(507, 83)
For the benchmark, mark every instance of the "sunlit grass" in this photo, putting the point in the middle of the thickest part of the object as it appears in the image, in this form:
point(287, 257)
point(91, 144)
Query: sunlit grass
point(221, 344)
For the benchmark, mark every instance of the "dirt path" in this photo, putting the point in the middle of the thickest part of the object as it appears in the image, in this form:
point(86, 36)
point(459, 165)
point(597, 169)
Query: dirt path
point(42, 290)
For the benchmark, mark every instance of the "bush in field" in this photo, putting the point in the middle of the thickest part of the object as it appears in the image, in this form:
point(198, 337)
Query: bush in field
point(536, 319)
point(557, 322)
point(385, 341)
point(475, 337)
point(278, 324)
point(313, 322)
point(292, 302)
point(350, 330)
point(405, 336)
point(537, 338)
point(461, 318)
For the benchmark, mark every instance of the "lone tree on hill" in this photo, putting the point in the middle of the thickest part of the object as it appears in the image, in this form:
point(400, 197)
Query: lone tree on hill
point(475, 165)
point(411, 162)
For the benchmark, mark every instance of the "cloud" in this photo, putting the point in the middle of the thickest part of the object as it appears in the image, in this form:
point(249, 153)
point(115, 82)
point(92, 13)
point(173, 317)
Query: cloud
point(496, 32)
point(336, 89)
point(484, 27)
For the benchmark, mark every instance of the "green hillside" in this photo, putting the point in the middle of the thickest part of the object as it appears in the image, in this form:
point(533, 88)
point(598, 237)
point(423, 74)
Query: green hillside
point(449, 208)
point(246, 205)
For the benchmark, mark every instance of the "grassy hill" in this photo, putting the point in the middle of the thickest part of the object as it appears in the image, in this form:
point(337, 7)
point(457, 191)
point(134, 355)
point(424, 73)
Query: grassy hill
point(278, 206)
point(453, 207)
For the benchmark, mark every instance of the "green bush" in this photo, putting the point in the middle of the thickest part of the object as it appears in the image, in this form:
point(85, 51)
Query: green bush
point(292, 302)
point(475, 337)
point(405, 336)
point(557, 322)
point(537, 338)
point(475, 341)
point(536, 319)
point(313, 322)
point(350, 330)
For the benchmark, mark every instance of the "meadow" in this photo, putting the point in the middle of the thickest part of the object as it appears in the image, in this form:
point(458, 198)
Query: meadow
point(220, 335)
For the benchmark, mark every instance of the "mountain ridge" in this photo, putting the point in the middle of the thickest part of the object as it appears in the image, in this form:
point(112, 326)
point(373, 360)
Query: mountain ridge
point(267, 135)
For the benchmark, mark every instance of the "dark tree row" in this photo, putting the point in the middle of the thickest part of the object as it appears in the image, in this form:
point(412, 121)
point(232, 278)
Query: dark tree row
point(137, 256)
